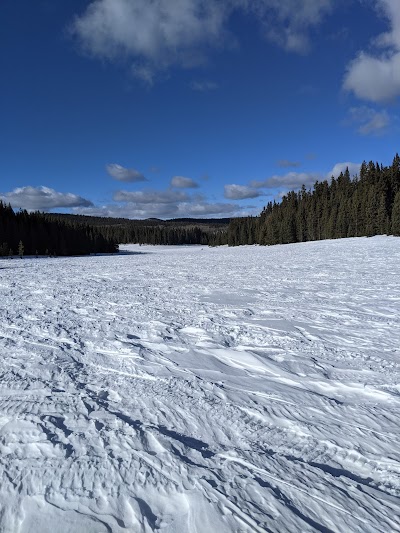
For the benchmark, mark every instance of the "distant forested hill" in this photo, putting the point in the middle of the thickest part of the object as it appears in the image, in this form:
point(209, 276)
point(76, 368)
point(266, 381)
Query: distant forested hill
point(367, 205)
point(205, 231)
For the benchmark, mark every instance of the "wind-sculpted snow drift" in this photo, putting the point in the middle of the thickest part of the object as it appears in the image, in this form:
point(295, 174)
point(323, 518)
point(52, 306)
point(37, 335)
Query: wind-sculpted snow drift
point(194, 390)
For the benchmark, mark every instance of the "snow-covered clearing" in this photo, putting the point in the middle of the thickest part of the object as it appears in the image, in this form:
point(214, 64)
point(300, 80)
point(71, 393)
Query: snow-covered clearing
point(203, 390)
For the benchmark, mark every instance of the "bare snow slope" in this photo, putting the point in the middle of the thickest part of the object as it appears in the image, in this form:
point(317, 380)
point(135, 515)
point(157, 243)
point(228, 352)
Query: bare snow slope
point(194, 390)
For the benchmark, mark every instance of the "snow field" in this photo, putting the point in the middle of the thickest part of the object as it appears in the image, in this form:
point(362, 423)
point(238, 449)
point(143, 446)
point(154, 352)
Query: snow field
point(198, 390)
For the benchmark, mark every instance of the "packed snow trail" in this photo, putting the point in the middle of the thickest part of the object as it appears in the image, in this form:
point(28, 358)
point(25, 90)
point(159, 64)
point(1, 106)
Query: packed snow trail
point(199, 390)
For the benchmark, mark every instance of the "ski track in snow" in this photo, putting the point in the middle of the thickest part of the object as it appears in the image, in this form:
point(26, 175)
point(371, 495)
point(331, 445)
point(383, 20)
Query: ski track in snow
point(195, 389)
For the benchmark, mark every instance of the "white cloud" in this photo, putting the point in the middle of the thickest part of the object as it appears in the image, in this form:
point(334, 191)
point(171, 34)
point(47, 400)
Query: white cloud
point(183, 183)
point(151, 197)
point(152, 35)
point(42, 198)
point(369, 121)
point(120, 173)
point(240, 192)
point(375, 77)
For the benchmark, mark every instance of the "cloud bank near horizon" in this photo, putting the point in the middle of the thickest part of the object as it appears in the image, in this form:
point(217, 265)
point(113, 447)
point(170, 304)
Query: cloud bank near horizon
point(173, 202)
point(42, 198)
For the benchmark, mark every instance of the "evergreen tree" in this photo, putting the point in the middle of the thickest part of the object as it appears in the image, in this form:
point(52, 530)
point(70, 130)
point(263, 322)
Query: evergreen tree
point(396, 215)
point(20, 249)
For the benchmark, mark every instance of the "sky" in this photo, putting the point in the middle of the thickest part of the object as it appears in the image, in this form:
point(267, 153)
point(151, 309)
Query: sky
point(191, 108)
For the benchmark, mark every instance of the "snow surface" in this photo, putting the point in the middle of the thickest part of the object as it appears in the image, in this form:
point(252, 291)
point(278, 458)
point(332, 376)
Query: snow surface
point(195, 389)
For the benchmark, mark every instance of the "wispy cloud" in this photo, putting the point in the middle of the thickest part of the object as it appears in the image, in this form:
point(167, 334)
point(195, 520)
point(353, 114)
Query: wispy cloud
point(369, 121)
point(204, 86)
point(285, 163)
point(120, 173)
point(181, 182)
point(288, 22)
point(153, 35)
point(308, 90)
point(240, 192)
point(42, 199)
point(375, 76)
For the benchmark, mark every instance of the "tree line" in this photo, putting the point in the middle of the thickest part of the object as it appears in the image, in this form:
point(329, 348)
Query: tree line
point(367, 205)
point(37, 234)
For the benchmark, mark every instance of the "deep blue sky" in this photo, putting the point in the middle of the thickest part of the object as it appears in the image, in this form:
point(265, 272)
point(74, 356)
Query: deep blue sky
point(174, 108)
